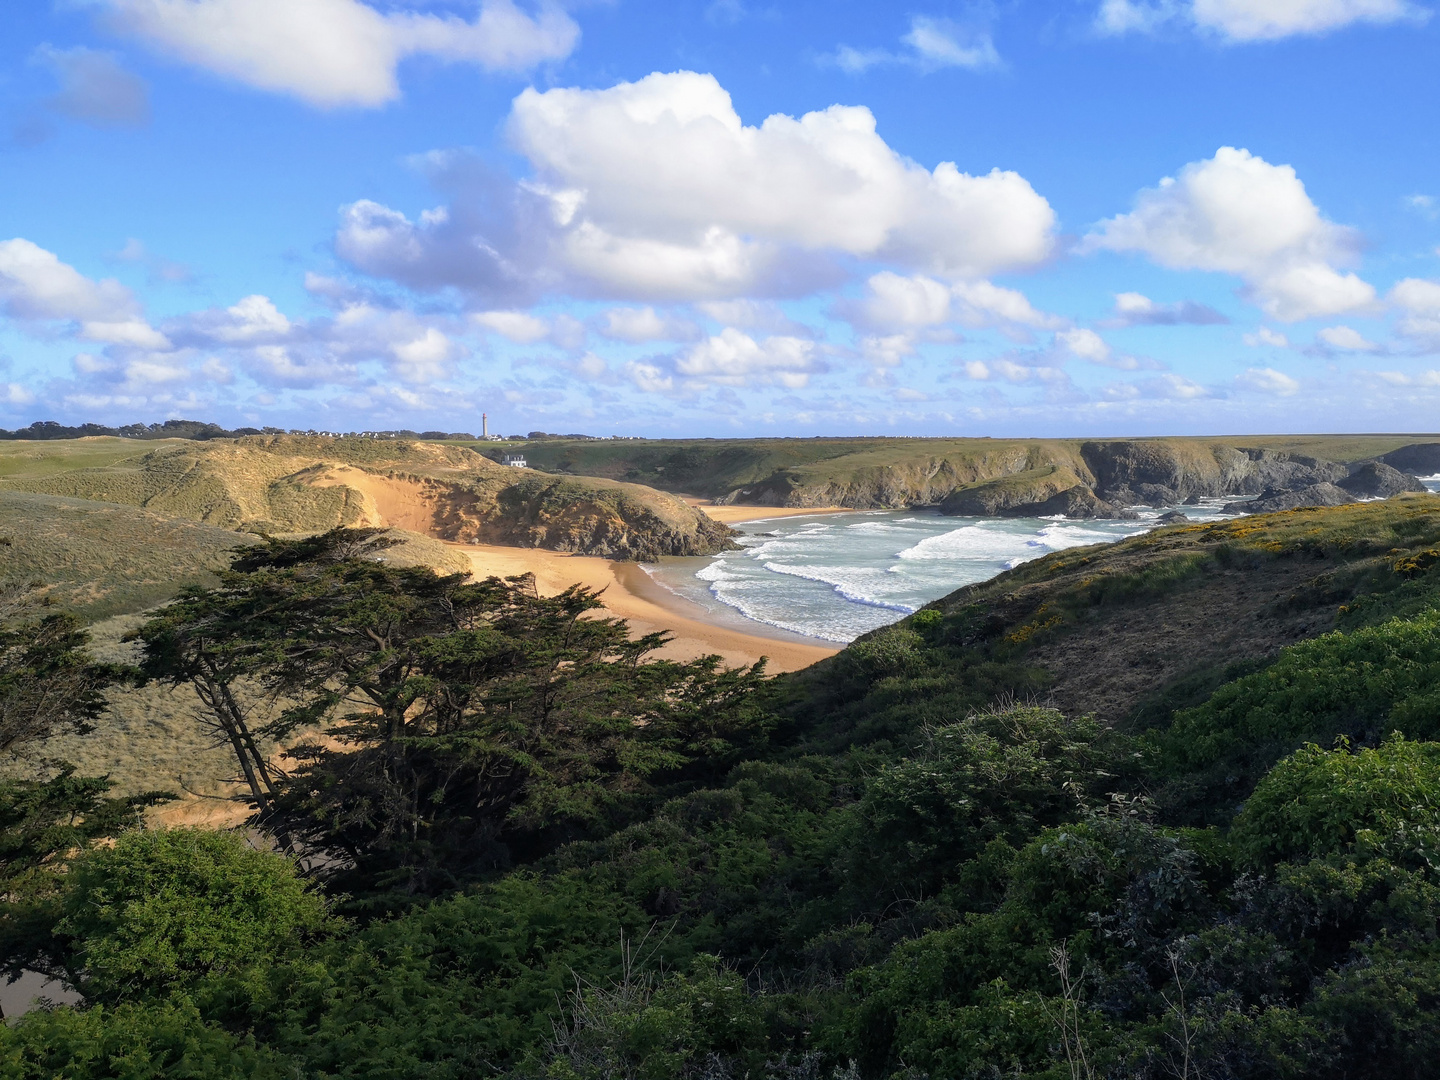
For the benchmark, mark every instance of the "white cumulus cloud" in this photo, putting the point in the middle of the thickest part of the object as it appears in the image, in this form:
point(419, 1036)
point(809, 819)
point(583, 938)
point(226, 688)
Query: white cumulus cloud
point(1136, 309)
point(36, 286)
point(1419, 304)
point(657, 188)
point(1086, 344)
point(518, 326)
point(912, 301)
point(339, 52)
point(736, 359)
point(1236, 213)
point(930, 45)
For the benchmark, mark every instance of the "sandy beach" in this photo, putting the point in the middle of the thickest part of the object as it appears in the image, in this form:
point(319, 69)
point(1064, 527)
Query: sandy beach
point(629, 593)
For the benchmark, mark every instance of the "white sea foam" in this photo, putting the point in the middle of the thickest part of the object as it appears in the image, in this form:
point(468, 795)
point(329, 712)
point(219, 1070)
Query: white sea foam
point(849, 584)
point(968, 542)
point(850, 573)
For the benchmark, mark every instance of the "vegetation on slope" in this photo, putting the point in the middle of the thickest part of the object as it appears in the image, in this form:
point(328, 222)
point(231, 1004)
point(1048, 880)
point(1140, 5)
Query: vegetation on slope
point(883, 867)
point(972, 476)
point(281, 484)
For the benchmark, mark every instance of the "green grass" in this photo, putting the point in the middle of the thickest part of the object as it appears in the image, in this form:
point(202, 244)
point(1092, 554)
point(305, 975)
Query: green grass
point(101, 559)
point(716, 467)
point(22, 460)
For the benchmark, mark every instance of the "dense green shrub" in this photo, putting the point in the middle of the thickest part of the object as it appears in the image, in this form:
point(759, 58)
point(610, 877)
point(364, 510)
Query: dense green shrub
point(132, 1041)
point(162, 910)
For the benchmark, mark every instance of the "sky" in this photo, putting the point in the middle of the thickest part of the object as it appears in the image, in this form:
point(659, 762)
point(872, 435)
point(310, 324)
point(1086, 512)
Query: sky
point(723, 218)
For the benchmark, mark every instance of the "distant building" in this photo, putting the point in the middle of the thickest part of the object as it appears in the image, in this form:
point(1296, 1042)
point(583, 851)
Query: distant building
point(516, 461)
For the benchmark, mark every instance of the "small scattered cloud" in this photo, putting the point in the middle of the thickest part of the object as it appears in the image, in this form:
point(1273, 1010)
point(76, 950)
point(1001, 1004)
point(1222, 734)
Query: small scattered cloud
point(1425, 379)
point(736, 359)
point(1267, 381)
point(12, 393)
point(1084, 344)
point(763, 315)
point(520, 327)
point(1136, 309)
point(1265, 337)
point(1344, 339)
point(160, 270)
point(1418, 301)
point(931, 44)
point(95, 89)
point(898, 301)
point(1006, 370)
point(642, 324)
point(1427, 206)
point(1247, 21)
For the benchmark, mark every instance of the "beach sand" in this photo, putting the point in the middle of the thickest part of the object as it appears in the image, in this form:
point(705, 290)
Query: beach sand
point(631, 594)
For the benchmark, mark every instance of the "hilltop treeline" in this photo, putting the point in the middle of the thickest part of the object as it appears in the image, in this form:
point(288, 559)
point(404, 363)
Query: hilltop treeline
point(194, 429)
point(996, 839)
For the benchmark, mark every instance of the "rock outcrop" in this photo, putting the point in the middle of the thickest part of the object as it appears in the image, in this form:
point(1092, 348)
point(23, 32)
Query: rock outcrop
point(1274, 499)
point(1112, 476)
point(299, 484)
point(1377, 480)
point(1417, 459)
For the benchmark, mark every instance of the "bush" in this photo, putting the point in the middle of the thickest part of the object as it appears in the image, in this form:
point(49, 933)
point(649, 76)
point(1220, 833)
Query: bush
point(161, 911)
point(156, 1041)
point(1318, 802)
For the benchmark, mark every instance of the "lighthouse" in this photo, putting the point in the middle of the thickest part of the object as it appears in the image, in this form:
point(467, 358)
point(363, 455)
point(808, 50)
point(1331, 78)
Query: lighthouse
point(484, 426)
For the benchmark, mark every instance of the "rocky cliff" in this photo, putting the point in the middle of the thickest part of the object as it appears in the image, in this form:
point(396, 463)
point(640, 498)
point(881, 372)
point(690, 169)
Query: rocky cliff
point(291, 484)
point(1092, 479)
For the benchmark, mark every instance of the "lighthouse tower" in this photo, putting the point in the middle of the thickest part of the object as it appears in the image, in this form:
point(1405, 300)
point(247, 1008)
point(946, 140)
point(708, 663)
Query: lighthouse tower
point(484, 426)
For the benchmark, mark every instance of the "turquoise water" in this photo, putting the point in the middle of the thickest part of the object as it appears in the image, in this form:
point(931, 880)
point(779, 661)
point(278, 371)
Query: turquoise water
point(837, 576)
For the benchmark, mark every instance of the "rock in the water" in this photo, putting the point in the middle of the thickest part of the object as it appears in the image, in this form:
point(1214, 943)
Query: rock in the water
point(1076, 502)
point(1417, 459)
point(1377, 480)
point(1174, 517)
point(1272, 500)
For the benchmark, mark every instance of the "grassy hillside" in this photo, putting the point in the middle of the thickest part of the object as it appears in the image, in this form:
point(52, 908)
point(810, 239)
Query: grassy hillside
point(299, 484)
point(866, 472)
point(901, 864)
point(100, 559)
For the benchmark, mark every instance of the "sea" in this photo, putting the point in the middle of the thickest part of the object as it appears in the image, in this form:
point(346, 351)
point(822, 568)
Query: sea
point(836, 576)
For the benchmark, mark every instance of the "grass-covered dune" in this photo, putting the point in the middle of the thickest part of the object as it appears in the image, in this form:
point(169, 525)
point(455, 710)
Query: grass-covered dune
point(971, 476)
point(280, 484)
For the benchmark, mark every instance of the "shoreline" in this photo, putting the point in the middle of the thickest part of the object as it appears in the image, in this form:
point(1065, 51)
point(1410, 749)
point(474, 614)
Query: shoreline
point(628, 593)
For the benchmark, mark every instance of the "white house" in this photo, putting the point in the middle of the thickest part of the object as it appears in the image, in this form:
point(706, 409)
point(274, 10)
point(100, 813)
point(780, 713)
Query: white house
point(516, 461)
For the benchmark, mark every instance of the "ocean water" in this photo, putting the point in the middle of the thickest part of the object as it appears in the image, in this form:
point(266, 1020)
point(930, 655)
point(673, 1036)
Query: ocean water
point(837, 576)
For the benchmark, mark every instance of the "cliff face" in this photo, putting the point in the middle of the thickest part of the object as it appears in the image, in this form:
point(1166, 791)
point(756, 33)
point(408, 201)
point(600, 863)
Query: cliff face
point(283, 484)
point(1087, 479)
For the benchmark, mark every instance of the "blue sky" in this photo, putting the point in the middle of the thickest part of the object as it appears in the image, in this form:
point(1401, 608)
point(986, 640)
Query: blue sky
point(1075, 217)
